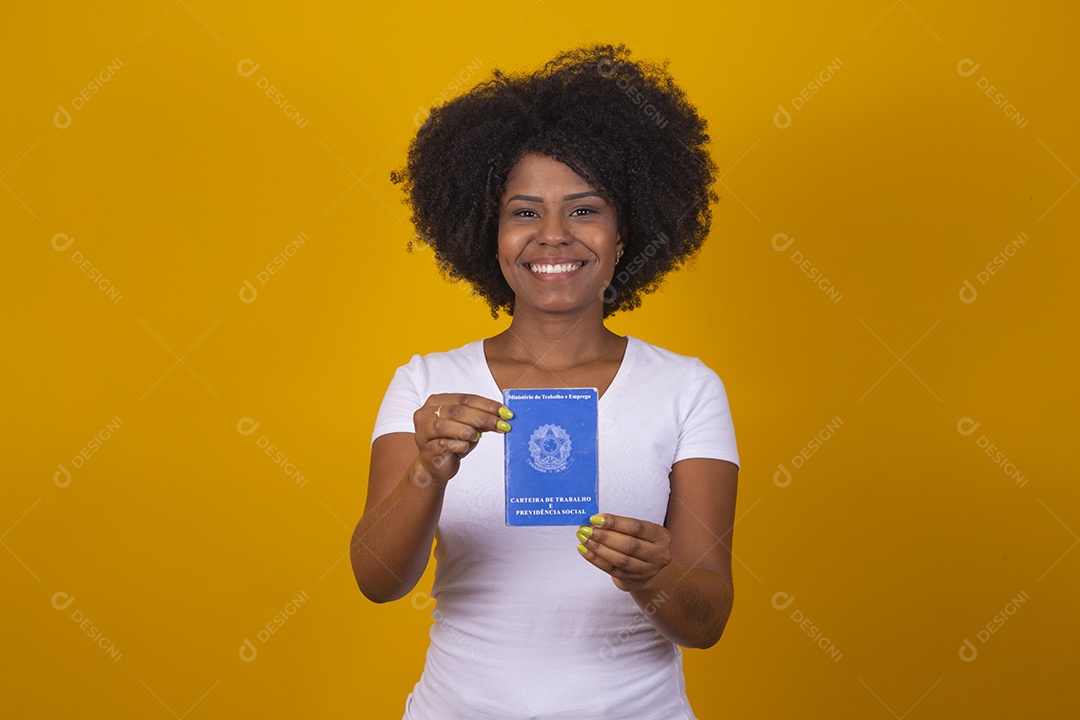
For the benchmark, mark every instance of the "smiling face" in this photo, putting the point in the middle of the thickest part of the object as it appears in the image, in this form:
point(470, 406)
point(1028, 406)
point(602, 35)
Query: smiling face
point(558, 237)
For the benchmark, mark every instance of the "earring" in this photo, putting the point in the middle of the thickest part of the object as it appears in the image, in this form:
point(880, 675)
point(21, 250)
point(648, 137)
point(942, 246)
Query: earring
point(618, 257)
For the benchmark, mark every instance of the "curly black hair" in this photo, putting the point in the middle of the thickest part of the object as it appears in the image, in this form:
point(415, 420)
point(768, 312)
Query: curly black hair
point(622, 125)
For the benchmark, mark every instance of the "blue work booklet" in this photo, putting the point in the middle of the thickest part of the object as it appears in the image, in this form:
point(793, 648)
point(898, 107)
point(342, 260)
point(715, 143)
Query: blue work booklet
point(551, 456)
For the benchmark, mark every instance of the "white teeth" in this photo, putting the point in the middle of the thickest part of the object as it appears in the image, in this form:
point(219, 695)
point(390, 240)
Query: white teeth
point(565, 267)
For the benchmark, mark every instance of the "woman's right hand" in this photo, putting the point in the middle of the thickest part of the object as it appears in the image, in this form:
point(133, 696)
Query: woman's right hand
point(392, 542)
point(448, 427)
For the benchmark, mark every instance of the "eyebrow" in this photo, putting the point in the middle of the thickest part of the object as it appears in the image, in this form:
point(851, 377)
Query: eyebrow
point(566, 198)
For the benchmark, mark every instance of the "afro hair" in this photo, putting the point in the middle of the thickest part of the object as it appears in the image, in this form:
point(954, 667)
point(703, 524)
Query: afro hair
point(624, 126)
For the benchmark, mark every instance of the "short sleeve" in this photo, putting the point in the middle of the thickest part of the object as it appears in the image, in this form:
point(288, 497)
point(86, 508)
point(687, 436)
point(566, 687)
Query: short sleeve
point(403, 398)
point(705, 426)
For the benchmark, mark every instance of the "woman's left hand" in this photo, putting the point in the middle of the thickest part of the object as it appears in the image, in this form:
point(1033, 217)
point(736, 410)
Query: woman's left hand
point(633, 552)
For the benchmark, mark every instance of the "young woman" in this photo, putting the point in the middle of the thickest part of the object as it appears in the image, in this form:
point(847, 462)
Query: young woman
point(562, 196)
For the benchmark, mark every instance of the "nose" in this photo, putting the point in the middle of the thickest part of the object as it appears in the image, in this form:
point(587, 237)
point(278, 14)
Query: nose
point(554, 230)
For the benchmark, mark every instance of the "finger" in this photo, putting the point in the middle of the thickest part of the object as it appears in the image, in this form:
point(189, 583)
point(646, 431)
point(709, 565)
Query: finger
point(451, 419)
point(476, 418)
point(449, 429)
point(614, 562)
point(430, 426)
point(442, 446)
point(650, 532)
point(478, 404)
point(658, 553)
point(472, 444)
point(633, 538)
point(436, 466)
point(441, 458)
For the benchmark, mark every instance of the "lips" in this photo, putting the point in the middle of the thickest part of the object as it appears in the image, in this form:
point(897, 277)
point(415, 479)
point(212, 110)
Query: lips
point(554, 265)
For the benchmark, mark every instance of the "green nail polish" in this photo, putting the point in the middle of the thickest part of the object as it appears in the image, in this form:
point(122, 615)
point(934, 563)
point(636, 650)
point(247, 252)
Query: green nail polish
point(582, 537)
point(585, 530)
point(597, 520)
point(479, 434)
point(502, 426)
point(506, 413)
point(582, 549)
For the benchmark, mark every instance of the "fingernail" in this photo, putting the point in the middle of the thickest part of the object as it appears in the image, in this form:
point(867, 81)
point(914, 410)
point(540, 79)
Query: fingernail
point(582, 549)
point(597, 520)
point(582, 536)
point(479, 434)
point(506, 413)
point(502, 426)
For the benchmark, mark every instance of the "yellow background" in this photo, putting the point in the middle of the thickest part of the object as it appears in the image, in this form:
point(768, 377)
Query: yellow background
point(179, 180)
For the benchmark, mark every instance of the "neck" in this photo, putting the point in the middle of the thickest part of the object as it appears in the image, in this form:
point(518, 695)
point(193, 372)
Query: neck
point(556, 342)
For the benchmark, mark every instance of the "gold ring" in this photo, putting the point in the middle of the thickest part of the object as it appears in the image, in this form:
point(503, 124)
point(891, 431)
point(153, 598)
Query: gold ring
point(437, 412)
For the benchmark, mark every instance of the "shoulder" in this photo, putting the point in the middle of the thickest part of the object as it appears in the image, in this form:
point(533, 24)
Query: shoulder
point(653, 358)
point(684, 380)
point(457, 370)
point(461, 357)
point(698, 401)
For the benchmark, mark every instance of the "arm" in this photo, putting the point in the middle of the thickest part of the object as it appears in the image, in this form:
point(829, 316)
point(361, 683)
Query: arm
point(679, 573)
point(392, 542)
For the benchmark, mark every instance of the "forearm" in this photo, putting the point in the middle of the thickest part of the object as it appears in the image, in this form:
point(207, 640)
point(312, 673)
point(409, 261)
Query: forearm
point(392, 542)
point(689, 606)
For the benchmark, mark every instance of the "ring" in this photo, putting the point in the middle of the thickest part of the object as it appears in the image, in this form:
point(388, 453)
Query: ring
point(437, 412)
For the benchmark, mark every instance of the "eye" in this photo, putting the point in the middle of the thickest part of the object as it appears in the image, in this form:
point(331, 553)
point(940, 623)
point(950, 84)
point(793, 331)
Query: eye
point(579, 212)
point(525, 212)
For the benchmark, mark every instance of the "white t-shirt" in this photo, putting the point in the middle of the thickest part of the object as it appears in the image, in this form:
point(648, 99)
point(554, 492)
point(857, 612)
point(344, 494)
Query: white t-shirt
point(524, 626)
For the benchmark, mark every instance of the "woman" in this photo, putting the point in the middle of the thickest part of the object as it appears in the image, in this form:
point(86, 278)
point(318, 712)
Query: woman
point(562, 196)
